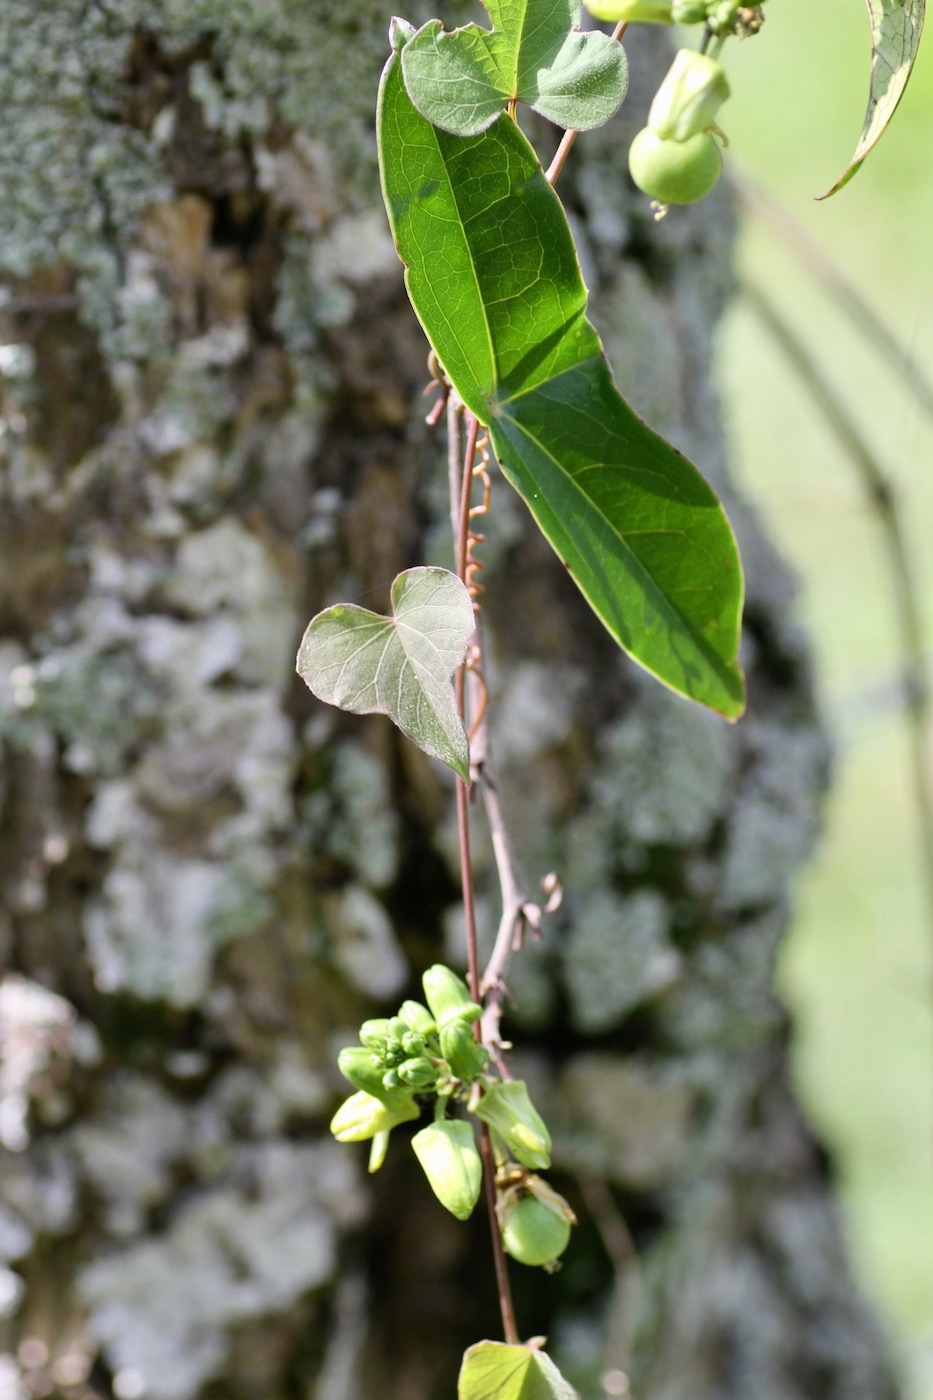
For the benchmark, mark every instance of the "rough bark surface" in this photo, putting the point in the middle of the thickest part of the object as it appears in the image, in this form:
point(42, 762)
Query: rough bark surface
point(211, 428)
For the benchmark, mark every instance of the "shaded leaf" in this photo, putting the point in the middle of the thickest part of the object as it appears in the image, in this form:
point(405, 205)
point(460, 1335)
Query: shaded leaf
point(400, 666)
point(896, 26)
point(461, 81)
point(493, 275)
point(495, 1371)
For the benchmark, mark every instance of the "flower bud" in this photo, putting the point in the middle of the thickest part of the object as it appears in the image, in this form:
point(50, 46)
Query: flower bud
point(512, 1116)
point(373, 1033)
point(462, 1050)
point(450, 1158)
point(417, 1018)
point(634, 11)
point(689, 98)
point(448, 996)
point(689, 11)
point(721, 15)
point(358, 1065)
point(412, 1043)
point(417, 1072)
point(362, 1116)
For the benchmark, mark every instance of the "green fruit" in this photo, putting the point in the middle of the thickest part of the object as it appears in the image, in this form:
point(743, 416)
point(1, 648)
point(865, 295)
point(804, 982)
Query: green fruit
point(534, 1234)
point(674, 172)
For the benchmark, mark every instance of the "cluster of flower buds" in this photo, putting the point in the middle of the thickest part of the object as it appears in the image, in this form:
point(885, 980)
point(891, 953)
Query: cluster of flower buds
point(720, 16)
point(420, 1050)
point(432, 1049)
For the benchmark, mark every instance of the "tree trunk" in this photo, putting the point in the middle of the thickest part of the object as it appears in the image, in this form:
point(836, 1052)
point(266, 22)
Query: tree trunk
point(211, 428)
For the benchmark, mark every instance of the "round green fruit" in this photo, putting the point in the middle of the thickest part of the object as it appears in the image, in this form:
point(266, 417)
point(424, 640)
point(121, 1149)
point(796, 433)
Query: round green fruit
point(674, 172)
point(534, 1234)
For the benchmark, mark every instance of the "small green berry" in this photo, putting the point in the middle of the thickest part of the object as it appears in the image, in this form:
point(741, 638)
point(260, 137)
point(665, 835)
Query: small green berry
point(534, 1234)
point(675, 172)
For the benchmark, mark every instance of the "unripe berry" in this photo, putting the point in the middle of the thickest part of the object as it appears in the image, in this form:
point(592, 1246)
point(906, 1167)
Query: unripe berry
point(534, 1234)
point(675, 172)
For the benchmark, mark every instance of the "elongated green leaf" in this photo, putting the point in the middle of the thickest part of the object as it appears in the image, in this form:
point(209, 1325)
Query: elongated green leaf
point(493, 275)
point(896, 26)
point(495, 1371)
point(398, 666)
point(461, 81)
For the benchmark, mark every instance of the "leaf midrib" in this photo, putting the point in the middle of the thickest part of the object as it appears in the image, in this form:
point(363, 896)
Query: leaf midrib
point(655, 589)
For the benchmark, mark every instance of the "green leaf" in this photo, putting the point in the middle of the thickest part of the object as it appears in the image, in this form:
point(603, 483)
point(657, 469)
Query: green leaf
point(896, 26)
point(495, 1371)
point(493, 275)
point(401, 665)
point(461, 81)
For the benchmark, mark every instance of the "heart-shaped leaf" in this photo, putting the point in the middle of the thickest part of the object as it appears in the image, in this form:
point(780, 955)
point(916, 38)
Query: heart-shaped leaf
point(896, 26)
point(400, 666)
point(493, 274)
point(461, 81)
point(495, 1371)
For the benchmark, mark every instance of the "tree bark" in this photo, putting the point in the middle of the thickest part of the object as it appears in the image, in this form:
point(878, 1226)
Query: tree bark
point(212, 427)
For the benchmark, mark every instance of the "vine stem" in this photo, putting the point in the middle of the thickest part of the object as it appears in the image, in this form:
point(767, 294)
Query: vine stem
point(880, 493)
point(570, 135)
point(460, 510)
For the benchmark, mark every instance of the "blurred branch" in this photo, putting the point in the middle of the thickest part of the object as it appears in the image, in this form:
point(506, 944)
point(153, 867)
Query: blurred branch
point(880, 493)
point(764, 206)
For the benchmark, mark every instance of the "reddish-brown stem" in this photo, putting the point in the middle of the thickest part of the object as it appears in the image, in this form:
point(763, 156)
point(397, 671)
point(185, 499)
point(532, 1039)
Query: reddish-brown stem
point(509, 1325)
point(461, 535)
point(570, 135)
point(466, 487)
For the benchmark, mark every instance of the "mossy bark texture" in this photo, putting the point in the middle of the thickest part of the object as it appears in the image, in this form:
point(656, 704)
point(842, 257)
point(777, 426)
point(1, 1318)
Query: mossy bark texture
point(211, 427)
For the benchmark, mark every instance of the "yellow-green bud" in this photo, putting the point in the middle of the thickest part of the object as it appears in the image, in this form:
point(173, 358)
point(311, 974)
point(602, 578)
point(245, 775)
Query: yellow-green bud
point(358, 1065)
point(514, 1119)
point(417, 1072)
point(448, 996)
point(689, 98)
point(417, 1017)
point(688, 11)
point(721, 15)
point(448, 1153)
point(373, 1033)
point(361, 1117)
point(634, 11)
point(462, 1050)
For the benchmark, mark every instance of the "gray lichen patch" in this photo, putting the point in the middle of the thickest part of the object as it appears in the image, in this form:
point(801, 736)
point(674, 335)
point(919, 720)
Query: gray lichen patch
point(776, 817)
point(626, 1120)
point(166, 1306)
point(667, 767)
point(616, 957)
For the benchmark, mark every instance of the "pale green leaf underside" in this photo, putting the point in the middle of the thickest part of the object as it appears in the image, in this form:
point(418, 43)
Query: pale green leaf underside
point(495, 1371)
point(493, 275)
point(896, 26)
point(461, 81)
point(400, 666)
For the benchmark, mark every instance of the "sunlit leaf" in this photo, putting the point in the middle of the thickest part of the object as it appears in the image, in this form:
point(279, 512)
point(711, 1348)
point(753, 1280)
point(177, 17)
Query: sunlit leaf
point(896, 26)
point(495, 1371)
point(461, 81)
point(400, 666)
point(493, 275)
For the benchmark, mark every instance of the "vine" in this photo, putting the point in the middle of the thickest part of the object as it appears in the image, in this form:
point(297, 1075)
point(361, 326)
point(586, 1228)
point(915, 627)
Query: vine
point(522, 381)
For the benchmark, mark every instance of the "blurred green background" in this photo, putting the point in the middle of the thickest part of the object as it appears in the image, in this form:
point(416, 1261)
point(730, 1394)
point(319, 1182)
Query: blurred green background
point(858, 970)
